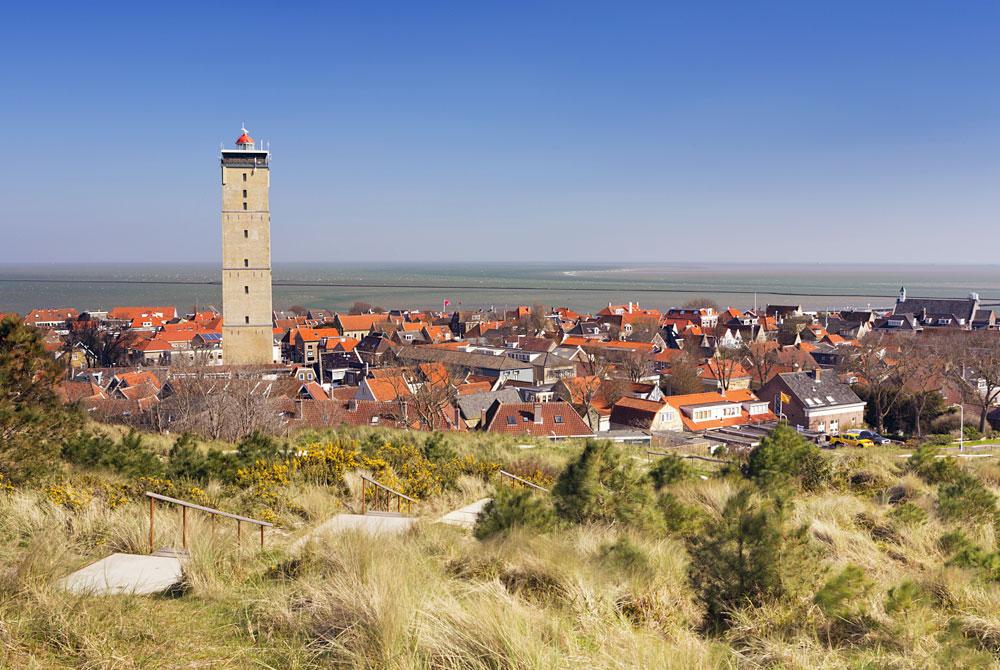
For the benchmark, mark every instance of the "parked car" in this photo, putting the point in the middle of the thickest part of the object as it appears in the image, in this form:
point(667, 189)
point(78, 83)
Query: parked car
point(875, 437)
point(850, 439)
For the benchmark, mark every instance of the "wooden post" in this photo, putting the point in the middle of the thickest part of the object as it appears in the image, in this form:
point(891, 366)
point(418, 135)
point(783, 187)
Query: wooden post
point(151, 504)
point(261, 537)
point(239, 532)
point(184, 527)
point(364, 485)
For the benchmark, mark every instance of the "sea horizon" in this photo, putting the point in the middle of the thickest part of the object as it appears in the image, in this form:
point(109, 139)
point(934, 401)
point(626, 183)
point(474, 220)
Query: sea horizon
point(426, 284)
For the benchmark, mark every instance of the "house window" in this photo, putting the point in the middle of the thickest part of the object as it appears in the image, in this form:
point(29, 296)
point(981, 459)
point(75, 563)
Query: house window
point(244, 205)
point(511, 421)
point(246, 290)
point(246, 233)
point(558, 418)
point(246, 262)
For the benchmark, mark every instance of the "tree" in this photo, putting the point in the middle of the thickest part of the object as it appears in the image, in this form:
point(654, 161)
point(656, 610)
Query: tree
point(636, 365)
point(536, 322)
point(602, 485)
point(723, 365)
point(975, 368)
point(102, 347)
point(784, 457)
point(644, 328)
point(743, 557)
point(428, 399)
point(701, 303)
point(513, 508)
point(683, 377)
point(761, 358)
point(879, 373)
point(33, 423)
point(922, 371)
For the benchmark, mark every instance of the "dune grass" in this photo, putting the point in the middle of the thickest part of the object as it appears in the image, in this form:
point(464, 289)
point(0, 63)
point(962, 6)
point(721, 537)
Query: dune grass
point(577, 596)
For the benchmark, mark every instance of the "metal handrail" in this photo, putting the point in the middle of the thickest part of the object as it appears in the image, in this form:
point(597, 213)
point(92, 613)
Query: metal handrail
point(695, 456)
point(520, 480)
point(185, 505)
point(400, 497)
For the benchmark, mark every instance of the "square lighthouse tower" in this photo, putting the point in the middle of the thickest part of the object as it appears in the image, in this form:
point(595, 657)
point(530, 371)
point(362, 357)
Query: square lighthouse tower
point(246, 255)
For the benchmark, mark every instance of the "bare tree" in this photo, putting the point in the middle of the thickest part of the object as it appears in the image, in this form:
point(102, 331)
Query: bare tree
point(975, 368)
point(761, 358)
point(700, 303)
point(879, 371)
point(922, 371)
point(644, 328)
point(636, 365)
point(430, 399)
point(683, 377)
point(724, 365)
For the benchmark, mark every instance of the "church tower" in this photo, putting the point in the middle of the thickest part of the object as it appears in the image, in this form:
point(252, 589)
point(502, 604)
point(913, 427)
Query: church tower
point(246, 255)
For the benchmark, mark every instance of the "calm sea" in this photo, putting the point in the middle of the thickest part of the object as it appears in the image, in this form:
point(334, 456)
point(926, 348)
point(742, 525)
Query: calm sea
point(472, 285)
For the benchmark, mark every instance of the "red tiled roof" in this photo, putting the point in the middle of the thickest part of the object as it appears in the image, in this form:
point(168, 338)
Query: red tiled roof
point(132, 313)
point(557, 419)
point(50, 315)
point(388, 388)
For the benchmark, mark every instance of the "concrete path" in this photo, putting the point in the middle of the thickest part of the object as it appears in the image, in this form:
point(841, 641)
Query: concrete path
point(465, 516)
point(370, 524)
point(126, 573)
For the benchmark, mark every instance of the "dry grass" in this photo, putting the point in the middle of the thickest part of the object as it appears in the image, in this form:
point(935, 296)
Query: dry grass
point(578, 597)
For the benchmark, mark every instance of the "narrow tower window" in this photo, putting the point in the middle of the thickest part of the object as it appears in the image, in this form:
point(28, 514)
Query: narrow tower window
point(244, 193)
point(244, 176)
point(246, 320)
point(246, 233)
point(244, 205)
point(246, 262)
point(246, 289)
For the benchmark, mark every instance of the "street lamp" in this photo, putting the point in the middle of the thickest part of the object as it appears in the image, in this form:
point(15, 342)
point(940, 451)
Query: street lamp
point(961, 425)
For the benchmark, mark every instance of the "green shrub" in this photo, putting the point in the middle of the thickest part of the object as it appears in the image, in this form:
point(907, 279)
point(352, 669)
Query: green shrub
point(668, 470)
point(971, 433)
point(603, 486)
point(840, 596)
point(681, 519)
point(784, 457)
point(904, 596)
point(965, 553)
point(908, 513)
point(625, 555)
point(965, 497)
point(513, 508)
point(128, 456)
point(926, 464)
point(744, 557)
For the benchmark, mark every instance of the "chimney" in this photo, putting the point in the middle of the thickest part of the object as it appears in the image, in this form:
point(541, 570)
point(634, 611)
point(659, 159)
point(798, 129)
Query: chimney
point(482, 418)
point(298, 409)
point(629, 306)
point(539, 419)
point(352, 405)
point(817, 374)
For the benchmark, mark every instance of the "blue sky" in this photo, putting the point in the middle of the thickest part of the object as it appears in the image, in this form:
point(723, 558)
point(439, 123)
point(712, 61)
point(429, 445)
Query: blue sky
point(570, 131)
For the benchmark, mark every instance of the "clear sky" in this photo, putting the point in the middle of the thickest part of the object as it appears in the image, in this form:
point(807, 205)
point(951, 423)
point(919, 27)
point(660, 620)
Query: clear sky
point(572, 131)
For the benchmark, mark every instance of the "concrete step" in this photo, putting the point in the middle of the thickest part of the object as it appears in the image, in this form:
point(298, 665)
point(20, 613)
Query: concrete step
point(465, 517)
point(124, 574)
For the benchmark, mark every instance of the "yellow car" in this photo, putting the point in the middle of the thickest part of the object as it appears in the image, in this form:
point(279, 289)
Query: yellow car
point(850, 440)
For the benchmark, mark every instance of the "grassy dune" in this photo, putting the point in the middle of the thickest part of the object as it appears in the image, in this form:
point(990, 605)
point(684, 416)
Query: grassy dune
point(578, 596)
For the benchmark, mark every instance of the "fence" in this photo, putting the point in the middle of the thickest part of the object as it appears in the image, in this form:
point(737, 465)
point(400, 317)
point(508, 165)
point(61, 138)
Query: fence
point(185, 506)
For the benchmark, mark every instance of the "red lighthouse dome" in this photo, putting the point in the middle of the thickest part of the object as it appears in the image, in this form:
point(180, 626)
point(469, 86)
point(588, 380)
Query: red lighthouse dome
point(244, 139)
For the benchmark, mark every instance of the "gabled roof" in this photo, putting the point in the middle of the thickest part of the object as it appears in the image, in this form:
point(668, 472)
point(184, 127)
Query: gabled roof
point(812, 393)
point(546, 419)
